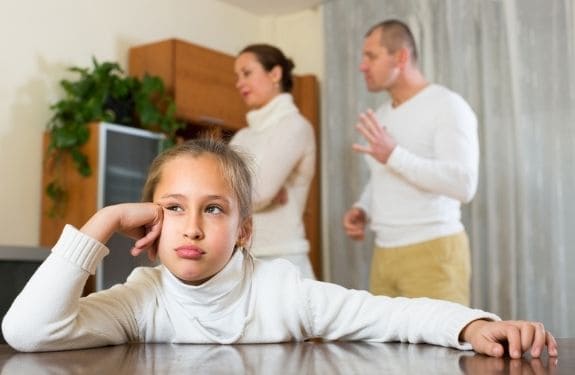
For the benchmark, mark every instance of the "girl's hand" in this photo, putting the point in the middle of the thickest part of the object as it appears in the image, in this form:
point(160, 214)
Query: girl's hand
point(139, 221)
point(517, 337)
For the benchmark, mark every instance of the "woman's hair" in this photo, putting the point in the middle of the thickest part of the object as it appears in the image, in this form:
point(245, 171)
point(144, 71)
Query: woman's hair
point(270, 57)
point(233, 166)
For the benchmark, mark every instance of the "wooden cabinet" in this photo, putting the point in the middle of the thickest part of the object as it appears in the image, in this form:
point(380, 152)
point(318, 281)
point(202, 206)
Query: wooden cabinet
point(78, 209)
point(306, 97)
point(202, 82)
point(119, 157)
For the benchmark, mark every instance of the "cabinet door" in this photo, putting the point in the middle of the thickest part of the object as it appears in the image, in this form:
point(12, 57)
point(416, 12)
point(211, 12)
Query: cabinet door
point(306, 96)
point(125, 156)
point(205, 87)
point(119, 157)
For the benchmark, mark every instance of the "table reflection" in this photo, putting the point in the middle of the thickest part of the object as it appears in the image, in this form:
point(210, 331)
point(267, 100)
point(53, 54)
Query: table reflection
point(288, 358)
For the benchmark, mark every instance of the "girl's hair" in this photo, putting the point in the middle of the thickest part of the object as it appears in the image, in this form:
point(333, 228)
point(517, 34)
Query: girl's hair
point(270, 57)
point(233, 167)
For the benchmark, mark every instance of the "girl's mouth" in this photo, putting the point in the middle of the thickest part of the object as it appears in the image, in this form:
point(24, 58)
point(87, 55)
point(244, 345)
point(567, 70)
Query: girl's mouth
point(189, 252)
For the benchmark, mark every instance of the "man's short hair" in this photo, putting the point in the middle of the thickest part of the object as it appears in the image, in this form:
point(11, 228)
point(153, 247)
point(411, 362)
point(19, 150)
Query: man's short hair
point(395, 34)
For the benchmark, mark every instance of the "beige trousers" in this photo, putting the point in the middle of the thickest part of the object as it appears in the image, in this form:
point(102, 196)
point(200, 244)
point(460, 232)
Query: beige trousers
point(439, 268)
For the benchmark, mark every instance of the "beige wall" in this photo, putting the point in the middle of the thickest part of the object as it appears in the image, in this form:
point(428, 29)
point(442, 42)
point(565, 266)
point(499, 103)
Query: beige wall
point(40, 39)
point(300, 36)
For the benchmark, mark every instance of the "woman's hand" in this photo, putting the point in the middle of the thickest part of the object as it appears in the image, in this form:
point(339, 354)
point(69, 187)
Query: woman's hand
point(281, 197)
point(516, 337)
point(139, 221)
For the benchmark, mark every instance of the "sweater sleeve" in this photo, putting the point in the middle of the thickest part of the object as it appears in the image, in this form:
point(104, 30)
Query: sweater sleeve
point(364, 201)
point(453, 171)
point(49, 313)
point(277, 159)
point(343, 314)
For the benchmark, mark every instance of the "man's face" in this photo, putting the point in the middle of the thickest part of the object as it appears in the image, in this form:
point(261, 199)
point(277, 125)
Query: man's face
point(380, 68)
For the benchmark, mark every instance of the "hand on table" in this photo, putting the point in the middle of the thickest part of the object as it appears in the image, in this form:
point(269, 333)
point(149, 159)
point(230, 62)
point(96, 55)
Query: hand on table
point(512, 336)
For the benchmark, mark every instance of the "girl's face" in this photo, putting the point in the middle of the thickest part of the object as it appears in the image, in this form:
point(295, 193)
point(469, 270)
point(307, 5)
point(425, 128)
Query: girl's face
point(256, 85)
point(201, 218)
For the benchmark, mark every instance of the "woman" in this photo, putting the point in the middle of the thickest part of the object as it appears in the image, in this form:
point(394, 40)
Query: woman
point(282, 144)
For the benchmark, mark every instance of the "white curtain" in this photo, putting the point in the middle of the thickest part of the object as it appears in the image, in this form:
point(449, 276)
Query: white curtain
point(514, 62)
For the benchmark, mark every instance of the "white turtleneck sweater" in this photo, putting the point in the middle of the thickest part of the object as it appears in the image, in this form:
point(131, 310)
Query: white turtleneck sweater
point(281, 143)
point(416, 196)
point(249, 301)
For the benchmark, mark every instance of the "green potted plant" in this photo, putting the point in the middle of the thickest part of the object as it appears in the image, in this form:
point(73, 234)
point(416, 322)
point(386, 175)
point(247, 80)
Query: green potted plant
point(103, 93)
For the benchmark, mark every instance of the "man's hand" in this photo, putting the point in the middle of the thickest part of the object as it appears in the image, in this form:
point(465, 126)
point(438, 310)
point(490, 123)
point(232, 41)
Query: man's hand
point(380, 143)
point(517, 337)
point(354, 222)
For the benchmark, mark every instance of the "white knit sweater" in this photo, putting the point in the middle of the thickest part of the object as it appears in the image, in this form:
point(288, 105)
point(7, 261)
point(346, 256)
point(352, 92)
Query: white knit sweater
point(249, 301)
point(282, 145)
point(417, 195)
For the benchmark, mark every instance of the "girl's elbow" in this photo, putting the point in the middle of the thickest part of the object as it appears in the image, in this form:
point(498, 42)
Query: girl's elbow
point(26, 335)
point(23, 337)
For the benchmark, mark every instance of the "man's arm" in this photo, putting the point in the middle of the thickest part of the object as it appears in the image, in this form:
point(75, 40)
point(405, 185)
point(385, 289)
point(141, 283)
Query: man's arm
point(453, 171)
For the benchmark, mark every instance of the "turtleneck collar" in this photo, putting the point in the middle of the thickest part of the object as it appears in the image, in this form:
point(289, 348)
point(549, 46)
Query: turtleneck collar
point(217, 295)
point(268, 115)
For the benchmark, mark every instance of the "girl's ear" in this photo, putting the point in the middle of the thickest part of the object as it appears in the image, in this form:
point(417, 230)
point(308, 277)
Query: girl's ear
point(245, 236)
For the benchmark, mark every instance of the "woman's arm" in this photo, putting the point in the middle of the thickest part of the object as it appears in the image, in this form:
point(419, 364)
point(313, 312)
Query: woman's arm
point(278, 157)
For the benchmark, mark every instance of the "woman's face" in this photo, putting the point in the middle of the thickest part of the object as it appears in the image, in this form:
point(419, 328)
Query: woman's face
point(256, 85)
point(201, 222)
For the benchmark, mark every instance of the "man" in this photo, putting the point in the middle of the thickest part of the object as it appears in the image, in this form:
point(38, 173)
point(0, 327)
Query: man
point(423, 153)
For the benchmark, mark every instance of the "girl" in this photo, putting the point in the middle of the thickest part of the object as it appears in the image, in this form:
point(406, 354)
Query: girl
point(208, 288)
point(282, 143)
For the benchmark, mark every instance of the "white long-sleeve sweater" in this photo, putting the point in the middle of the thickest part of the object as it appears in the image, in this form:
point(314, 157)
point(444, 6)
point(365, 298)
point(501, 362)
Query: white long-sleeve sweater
point(281, 143)
point(249, 301)
point(417, 195)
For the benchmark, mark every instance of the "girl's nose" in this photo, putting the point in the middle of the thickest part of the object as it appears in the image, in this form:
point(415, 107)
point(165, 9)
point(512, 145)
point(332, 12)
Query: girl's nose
point(193, 229)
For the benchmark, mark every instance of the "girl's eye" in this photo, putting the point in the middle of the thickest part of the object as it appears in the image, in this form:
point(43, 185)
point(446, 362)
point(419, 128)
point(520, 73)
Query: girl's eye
point(174, 208)
point(214, 209)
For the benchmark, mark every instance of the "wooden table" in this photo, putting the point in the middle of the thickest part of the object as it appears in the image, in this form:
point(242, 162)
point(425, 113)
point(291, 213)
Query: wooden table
point(289, 358)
